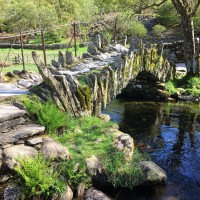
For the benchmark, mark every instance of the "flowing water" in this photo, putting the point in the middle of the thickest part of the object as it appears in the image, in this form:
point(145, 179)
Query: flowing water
point(171, 135)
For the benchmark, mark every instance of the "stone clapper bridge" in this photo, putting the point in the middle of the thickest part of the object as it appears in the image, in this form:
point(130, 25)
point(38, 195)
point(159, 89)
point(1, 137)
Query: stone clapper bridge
point(88, 87)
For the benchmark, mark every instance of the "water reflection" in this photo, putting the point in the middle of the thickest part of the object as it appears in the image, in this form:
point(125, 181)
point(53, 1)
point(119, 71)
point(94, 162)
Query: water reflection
point(172, 131)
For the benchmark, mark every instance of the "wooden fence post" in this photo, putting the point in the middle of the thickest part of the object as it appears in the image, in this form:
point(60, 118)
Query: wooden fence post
point(43, 48)
point(75, 48)
point(22, 52)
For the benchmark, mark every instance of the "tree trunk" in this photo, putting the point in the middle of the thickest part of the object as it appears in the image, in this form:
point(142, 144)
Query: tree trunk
point(189, 43)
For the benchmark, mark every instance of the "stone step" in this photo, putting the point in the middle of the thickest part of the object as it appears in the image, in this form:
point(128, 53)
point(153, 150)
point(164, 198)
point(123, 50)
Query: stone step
point(8, 112)
point(6, 125)
point(21, 132)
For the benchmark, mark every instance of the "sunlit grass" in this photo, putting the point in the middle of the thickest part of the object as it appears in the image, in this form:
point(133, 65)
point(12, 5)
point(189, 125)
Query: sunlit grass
point(29, 63)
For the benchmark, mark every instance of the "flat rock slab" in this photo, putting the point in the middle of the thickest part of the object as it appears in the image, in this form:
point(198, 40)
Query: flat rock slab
point(11, 90)
point(11, 123)
point(21, 132)
point(8, 112)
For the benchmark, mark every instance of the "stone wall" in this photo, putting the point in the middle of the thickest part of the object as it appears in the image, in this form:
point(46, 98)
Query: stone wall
point(34, 46)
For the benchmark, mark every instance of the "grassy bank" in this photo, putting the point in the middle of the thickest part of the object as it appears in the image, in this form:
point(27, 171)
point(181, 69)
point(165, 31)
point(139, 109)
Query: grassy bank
point(84, 137)
point(187, 85)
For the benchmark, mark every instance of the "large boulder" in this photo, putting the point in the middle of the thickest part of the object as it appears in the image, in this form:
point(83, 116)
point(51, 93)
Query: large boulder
point(94, 168)
point(67, 194)
point(54, 150)
point(115, 132)
point(152, 173)
point(93, 165)
point(10, 191)
point(93, 194)
point(125, 143)
point(12, 154)
point(105, 117)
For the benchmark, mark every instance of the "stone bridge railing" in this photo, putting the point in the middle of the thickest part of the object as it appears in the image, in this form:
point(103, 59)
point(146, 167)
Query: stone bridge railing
point(89, 86)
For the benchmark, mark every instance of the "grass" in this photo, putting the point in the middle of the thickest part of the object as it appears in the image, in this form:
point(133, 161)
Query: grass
point(187, 85)
point(30, 66)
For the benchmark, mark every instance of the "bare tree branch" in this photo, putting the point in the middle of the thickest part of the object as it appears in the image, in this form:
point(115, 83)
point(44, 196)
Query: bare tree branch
point(155, 4)
point(196, 7)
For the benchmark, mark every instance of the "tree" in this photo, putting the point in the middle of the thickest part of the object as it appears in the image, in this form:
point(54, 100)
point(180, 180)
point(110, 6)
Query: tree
point(187, 9)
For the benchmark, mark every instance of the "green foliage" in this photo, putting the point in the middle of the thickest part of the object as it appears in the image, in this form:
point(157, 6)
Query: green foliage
point(130, 27)
point(84, 95)
point(38, 178)
point(75, 172)
point(47, 114)
point(24, 15)
point(197, 24)
point(81, 140)
point(53, 36)
point(167, 15)
point(128, 174)
point(137, 29)
point(190, 85)
point(158, 29)
point(170, 87)
point(192, 82)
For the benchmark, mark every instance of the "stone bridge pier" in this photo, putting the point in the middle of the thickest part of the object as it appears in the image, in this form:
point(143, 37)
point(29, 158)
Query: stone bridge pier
point(87, 87)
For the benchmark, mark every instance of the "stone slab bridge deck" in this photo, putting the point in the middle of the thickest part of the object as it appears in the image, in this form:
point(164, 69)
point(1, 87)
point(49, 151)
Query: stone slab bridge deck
point(89, 86)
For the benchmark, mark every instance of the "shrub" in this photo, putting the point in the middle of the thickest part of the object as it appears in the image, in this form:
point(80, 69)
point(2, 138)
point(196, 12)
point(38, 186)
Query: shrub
point(48, 114)
point(53, 36)
point(190, 85)
point(170, 87)
point(167, 15)
point(158, 29)
point(38, 178)
point(74, 171)
point(137, 29)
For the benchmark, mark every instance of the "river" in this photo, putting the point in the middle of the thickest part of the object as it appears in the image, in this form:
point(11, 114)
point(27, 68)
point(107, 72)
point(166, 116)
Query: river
point(170, 133)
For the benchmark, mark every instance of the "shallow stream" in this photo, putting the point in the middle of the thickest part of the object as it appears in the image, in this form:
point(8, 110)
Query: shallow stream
point(170, 133)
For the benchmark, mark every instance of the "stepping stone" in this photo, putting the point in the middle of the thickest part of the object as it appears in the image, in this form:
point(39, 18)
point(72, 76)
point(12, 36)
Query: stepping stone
point(22, 132)
point(8, 112)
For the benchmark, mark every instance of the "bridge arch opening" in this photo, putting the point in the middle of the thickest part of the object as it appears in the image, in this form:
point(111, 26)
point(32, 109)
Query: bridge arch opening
point(146, 86)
